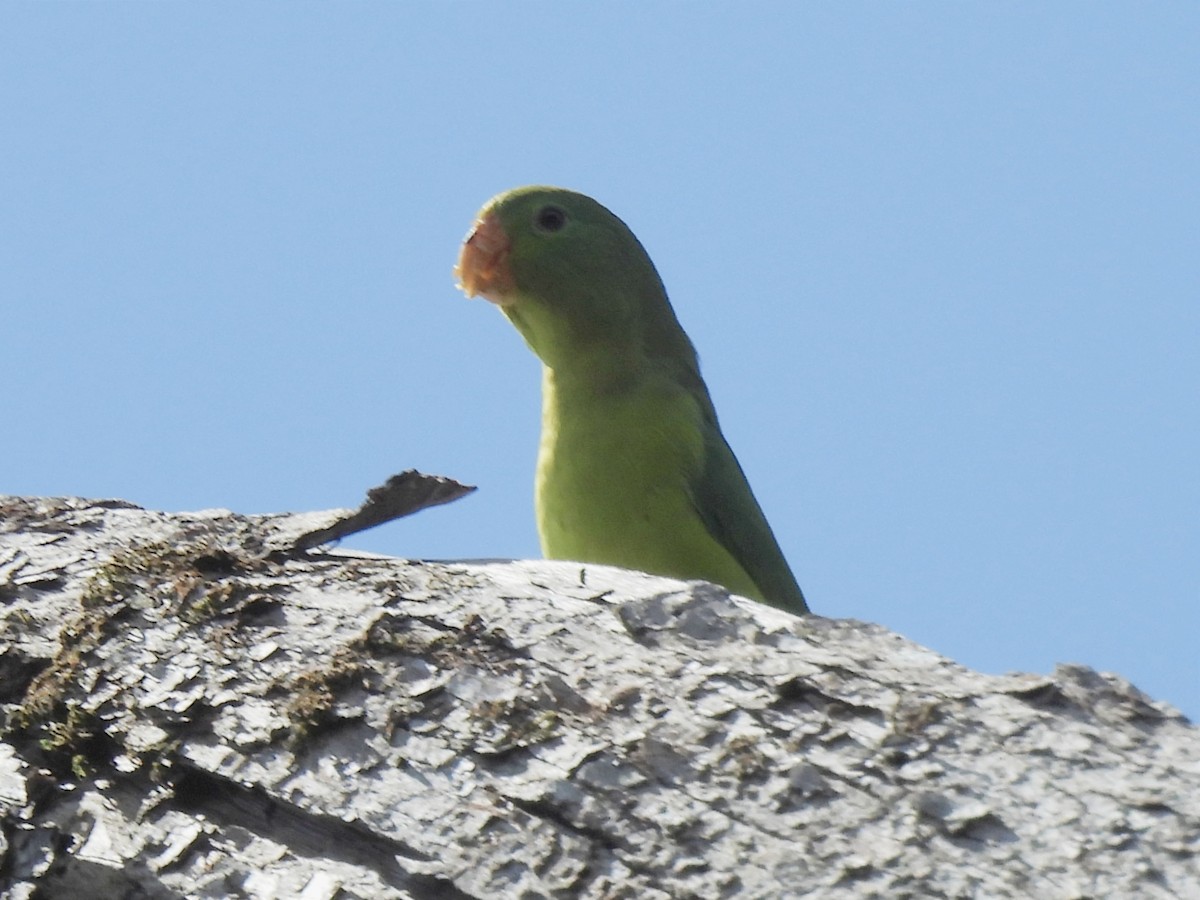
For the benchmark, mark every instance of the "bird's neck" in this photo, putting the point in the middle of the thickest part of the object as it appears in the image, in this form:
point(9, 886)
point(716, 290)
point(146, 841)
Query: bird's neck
point(590, 376)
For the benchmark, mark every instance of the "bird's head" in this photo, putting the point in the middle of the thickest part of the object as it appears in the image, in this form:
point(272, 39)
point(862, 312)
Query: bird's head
point(570, 276)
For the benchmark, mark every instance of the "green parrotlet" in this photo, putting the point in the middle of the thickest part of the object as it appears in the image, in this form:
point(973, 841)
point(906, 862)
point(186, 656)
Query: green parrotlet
point(633, 470)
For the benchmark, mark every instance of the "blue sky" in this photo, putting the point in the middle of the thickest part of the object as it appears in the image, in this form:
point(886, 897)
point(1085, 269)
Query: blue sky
point(941, 262)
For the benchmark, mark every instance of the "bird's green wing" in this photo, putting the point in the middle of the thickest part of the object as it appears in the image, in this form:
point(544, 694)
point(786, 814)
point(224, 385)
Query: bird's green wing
point(727, 507)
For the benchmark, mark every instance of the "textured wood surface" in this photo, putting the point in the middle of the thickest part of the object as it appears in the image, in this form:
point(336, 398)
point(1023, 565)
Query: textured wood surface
point(195, 708)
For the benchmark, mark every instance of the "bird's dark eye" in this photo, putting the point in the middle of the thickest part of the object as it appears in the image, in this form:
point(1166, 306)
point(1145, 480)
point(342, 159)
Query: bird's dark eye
point(551, 218)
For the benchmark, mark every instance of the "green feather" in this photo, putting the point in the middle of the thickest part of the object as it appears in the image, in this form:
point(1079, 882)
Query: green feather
point(633, 469)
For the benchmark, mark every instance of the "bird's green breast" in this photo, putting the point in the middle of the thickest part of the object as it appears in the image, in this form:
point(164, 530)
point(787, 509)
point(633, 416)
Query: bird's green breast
point(614, 479)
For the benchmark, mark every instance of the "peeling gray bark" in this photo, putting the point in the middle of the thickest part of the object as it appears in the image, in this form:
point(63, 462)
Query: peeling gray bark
point(191, 710)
